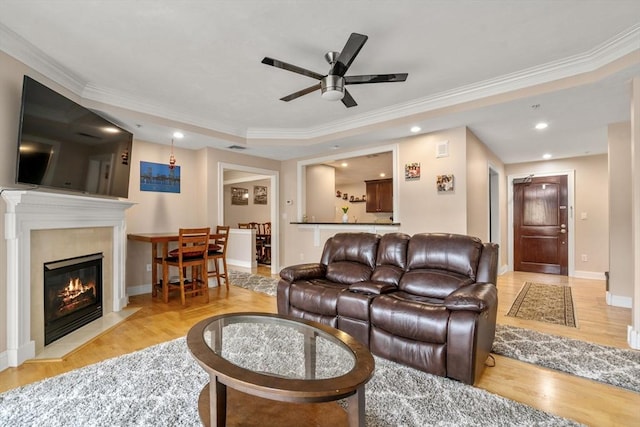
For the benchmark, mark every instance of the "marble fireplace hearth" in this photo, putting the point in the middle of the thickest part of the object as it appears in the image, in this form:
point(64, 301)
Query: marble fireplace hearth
point(43, 226)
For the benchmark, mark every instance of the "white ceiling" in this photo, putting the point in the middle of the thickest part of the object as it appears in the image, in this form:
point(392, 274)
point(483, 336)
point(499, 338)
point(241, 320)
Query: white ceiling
point(197, 64)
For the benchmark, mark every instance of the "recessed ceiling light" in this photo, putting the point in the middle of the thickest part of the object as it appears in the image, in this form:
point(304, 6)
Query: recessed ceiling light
point(178, 135)
point(110, 129)
point(416, 129)
point(547, 156)
point(383, 174)
point(344, 164)
point(542, 125)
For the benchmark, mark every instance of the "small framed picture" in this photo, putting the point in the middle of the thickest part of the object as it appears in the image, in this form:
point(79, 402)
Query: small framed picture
point(412, 171)
point(444, 183)
point(239, 196)
point(259, 195)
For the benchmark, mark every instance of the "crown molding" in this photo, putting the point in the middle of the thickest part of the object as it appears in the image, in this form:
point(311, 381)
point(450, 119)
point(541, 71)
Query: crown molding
point(25, 52)
point(118, 99)
point(603, 54)
point(606, 53)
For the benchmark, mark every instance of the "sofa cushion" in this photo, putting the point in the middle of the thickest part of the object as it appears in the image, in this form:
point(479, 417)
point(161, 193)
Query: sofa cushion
point(450, 252)
point(391, 259)
point(399, 314)
point(350, 257)
point(432, 283)
point(316, 296)
point(347, 272)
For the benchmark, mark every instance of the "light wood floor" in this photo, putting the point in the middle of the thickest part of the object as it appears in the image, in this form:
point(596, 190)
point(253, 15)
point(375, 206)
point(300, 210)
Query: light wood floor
point(585, 401)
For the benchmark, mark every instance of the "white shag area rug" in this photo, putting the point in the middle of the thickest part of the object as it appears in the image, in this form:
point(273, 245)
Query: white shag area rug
point(159, 386)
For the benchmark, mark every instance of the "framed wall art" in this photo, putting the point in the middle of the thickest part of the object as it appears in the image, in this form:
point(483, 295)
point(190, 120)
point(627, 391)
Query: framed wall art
point(159, 177)
point(259, 195)
point(412, 171)
point(239, 196)
point(444, 183)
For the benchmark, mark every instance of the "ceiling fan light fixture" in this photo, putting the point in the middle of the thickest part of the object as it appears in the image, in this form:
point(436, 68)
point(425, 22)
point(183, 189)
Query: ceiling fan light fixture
point(332, 88)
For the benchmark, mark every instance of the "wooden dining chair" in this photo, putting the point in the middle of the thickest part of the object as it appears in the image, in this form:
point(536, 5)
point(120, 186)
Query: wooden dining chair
point(218, 253)
point(266, 243)
point(193, 244)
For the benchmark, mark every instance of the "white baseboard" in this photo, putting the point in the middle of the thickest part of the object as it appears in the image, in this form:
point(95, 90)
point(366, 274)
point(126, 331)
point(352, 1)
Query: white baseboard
point(4, 361)
point(139, 290)
point(633, 338)
point(146, 288)
point(503, 269)
point(593, 275)
point(618, 301)
point(242, 263)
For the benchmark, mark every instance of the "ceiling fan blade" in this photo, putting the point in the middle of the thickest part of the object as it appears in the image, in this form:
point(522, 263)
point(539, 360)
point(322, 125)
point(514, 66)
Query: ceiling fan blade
point(375, 78)
point(348, 100)
point(300, 93)
point(348, 54)
point(293, 68)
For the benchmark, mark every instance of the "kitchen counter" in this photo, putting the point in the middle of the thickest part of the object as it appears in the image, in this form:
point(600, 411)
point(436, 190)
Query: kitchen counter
point(368, 227)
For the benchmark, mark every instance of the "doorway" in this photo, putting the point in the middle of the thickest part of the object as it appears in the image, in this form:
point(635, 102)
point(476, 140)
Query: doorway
point(249, 174)
point(540, 224)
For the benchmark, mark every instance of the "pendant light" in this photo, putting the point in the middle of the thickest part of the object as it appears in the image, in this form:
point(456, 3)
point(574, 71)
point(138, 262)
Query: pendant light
point(172, 158)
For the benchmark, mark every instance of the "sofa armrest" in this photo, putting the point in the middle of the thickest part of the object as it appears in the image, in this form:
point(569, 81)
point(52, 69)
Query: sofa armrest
point(303, 272)
point(373, 288)
point(476, 297)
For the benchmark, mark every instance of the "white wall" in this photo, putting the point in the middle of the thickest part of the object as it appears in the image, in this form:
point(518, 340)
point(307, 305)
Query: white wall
point(320, 193)
point(251, 212)
point(421, 208)
point(620, 229)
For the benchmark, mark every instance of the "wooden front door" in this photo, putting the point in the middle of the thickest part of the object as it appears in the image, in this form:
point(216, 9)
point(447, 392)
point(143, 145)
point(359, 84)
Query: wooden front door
point(540, 225)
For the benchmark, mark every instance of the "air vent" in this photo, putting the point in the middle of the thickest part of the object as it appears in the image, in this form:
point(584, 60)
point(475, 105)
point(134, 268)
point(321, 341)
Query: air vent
point(236, 147)
point(442, 149)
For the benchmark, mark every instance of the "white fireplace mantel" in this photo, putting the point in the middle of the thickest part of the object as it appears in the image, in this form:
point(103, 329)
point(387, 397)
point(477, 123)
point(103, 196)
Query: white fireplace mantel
point(39, 210)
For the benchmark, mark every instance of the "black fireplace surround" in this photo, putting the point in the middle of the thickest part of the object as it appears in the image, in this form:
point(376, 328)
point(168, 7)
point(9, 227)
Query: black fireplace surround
point(72, 294)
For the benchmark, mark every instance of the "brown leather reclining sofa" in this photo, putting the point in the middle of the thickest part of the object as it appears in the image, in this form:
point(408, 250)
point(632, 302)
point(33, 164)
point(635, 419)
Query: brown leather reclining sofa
point(428, 301)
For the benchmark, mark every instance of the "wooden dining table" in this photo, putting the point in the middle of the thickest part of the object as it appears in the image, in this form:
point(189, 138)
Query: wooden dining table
point(160, 250)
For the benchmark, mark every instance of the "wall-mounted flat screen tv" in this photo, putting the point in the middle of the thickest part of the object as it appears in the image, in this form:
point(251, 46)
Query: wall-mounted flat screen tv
point(63, 145)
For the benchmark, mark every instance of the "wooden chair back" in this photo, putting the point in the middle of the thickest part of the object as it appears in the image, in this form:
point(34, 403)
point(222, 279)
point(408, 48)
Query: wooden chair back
point(192, 251)
point(222, 241)
point(218, 252)
point(266, 228)
point(193, 243)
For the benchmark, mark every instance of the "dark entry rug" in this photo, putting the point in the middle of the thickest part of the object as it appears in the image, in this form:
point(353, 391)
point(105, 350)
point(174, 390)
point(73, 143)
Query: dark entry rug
point(545, 303)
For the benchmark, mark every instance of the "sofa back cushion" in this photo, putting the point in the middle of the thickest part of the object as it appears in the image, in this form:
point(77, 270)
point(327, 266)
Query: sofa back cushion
point(391, 260)
point(350, 257)
point(438, 264)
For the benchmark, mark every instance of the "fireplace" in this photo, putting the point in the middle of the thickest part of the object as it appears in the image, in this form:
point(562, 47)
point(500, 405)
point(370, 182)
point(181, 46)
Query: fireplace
point(72, 294)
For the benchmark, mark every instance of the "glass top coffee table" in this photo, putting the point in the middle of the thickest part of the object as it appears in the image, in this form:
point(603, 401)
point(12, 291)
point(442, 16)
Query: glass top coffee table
point(278, 358)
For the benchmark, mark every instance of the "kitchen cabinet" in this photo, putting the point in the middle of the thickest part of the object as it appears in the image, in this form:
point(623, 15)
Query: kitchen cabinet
point(380, 195)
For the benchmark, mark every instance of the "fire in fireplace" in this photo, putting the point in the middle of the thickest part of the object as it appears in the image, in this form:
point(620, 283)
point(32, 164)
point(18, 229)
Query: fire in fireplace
point(72, 294)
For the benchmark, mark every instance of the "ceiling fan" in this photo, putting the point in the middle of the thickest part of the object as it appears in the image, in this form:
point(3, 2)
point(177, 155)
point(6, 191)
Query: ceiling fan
point(332, 85)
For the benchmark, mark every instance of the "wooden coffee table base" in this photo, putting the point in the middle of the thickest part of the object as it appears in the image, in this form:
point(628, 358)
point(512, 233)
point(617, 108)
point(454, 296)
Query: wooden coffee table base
point(252, 411)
